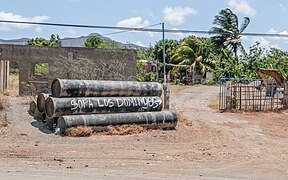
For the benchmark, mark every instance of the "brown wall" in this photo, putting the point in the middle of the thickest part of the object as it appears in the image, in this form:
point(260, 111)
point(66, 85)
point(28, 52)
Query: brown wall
point(69, 63)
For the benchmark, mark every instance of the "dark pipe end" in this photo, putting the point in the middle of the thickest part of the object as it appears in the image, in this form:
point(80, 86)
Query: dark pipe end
point(62, 124)
point(32, 107)
point(41, 102)
point(56, 87)
point(49, 107)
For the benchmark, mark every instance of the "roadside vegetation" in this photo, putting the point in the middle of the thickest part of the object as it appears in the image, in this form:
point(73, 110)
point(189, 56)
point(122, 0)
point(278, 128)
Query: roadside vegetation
point(222, 54)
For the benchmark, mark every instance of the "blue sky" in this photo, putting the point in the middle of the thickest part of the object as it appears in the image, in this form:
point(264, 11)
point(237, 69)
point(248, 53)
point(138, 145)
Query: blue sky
point(266, 17)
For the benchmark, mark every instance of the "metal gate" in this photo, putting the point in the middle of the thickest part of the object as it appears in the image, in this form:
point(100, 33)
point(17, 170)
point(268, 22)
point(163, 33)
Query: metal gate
point(251, 95)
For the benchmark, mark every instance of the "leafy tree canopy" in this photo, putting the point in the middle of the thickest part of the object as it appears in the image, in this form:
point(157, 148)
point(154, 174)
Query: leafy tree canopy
point(228, 32)
point(54, 41)
point(195, 52)
point(97, 42)
point(170, 46)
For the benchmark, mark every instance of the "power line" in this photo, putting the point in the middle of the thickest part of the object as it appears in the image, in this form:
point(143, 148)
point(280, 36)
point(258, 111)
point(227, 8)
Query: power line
point(118, 32)
point(139, 29)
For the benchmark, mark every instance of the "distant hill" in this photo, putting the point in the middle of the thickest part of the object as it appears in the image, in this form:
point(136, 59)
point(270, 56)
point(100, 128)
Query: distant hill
point(76, 42)
point(21, 41)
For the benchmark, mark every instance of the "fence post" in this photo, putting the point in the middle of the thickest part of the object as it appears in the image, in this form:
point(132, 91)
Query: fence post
point(285, 98)
point(4, 75)
point(2, 68)
point(228, 95)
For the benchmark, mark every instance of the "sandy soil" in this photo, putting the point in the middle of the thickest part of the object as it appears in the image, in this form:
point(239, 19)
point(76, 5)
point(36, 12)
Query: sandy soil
point(206, 144)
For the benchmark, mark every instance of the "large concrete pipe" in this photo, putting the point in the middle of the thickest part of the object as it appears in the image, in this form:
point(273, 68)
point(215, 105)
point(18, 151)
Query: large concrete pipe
point(81, 88)
point(55, 107)
point(163, 119)
point(32, 108)
point(41, 98)
point(33, 111)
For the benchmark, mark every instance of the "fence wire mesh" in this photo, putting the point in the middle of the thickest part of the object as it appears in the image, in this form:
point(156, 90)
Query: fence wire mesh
point(250, 95)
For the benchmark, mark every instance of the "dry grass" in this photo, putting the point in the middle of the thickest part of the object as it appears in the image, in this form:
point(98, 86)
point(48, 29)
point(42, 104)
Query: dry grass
point(124, 130)
point(80, 131)
point(84, 131)
point(13, 89)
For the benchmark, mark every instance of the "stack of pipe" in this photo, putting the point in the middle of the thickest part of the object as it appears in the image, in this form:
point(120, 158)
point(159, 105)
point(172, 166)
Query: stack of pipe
point(103, 103)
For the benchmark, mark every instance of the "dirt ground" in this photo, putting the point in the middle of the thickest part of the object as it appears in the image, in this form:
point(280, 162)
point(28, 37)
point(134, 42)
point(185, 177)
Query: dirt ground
point(206, 144)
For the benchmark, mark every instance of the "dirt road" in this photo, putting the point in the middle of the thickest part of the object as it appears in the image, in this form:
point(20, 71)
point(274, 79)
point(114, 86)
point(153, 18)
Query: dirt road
point(206, 145)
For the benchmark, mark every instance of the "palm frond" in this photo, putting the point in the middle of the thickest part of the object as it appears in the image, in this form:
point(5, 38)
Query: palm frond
point(244, 24)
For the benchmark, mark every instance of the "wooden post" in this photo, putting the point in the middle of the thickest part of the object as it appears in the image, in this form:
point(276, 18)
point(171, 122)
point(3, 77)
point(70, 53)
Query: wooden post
point(228, 95)
point(285, 98)
point(7, 73)
point(2, 76)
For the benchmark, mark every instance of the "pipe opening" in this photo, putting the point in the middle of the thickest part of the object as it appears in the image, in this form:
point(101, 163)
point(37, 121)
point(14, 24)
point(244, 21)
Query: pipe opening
point(49, 107)
point(56, 88)
point(41, 102)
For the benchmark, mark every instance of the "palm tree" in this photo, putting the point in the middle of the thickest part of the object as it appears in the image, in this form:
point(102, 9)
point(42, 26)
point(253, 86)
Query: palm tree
point(194, 53)
point(228, 32)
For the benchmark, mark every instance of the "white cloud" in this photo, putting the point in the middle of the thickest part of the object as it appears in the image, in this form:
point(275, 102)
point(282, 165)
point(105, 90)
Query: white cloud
point(264, 42)
point(39, 29)
point(177, 15)
point(180, 34)
point(139, 43)
point(242, 6)
point(283, 8)
point(282, 39)
point(134, 22)
point(15, 17)
point(270, 41)
point(272, 30)
point(71, 31)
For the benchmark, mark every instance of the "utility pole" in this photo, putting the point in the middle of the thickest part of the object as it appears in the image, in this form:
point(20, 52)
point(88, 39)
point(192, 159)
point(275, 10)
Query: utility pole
point(164, 63)
point(165, 85)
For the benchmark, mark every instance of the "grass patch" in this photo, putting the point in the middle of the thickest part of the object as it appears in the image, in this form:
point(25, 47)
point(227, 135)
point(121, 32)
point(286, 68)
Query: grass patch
point(84, 131)
point(41, 69)
point(13, 87)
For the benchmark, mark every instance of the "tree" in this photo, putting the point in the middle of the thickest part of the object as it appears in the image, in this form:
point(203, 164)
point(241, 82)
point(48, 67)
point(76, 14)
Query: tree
point(146, 54)
point(93, 42)
point(228, 31)
point(54, 41)
point(195, 52)
point(170, 45)
point(97, 42)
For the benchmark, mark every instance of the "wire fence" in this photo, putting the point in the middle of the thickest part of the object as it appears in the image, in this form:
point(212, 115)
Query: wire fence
point(251, 95)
